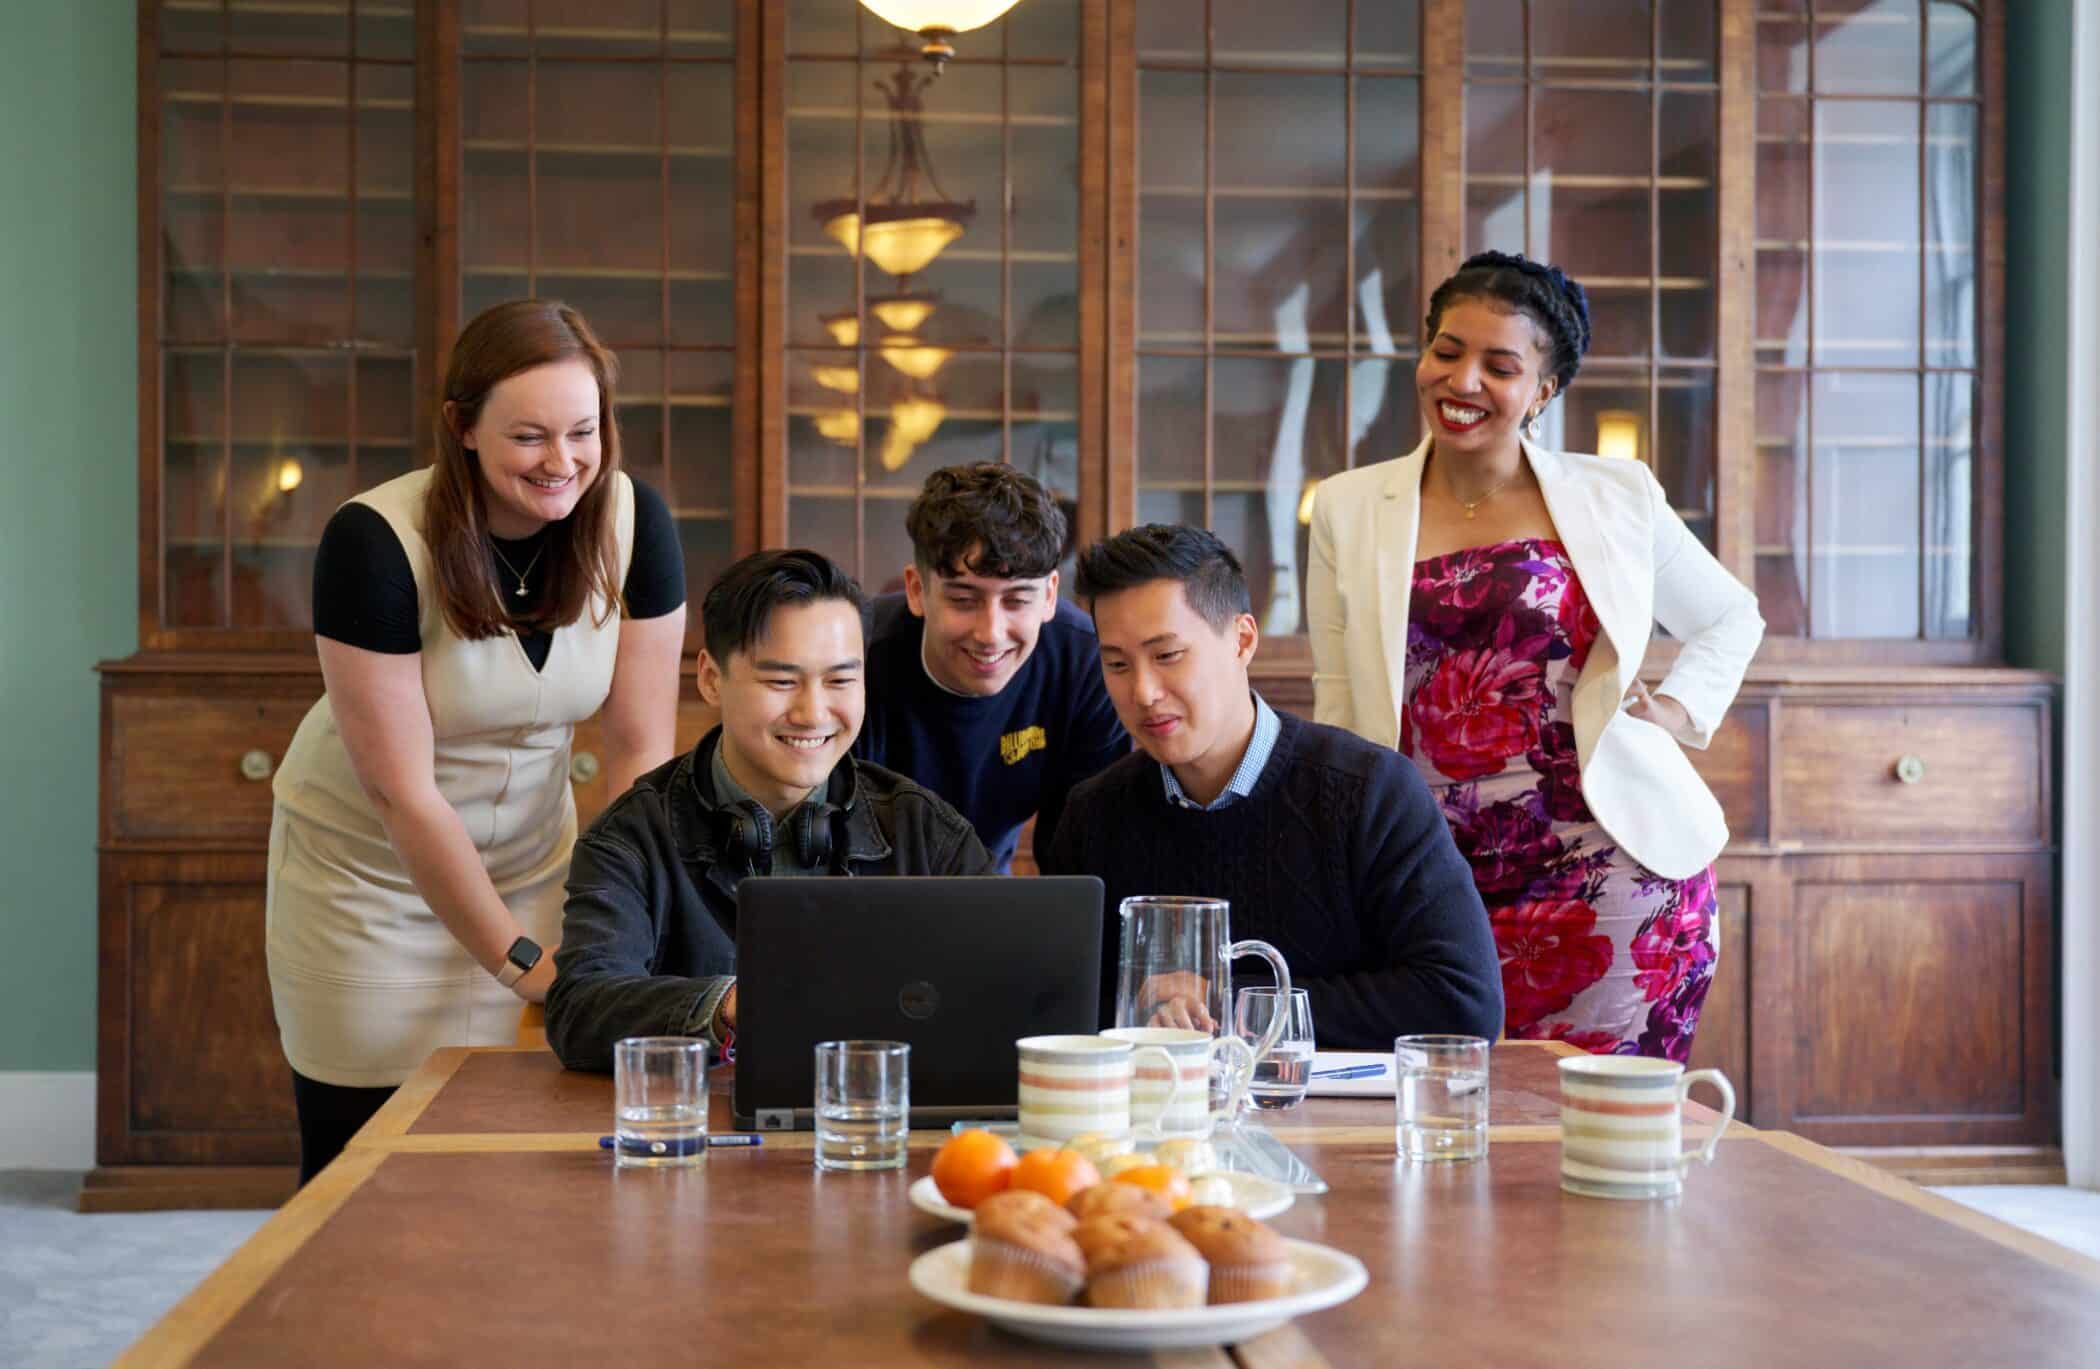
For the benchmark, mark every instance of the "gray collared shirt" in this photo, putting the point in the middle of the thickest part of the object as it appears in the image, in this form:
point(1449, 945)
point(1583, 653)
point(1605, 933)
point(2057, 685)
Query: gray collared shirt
point(1266, 728)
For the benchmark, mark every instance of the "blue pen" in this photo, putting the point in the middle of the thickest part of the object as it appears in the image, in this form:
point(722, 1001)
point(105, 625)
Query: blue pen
point(1350, 1072)
point(687, 1146)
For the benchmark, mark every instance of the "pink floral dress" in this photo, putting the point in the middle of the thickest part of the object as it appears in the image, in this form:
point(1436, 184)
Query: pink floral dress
point(1597, 950)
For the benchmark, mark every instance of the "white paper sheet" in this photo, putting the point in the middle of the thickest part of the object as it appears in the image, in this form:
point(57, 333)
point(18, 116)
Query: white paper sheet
point(1378, 1085)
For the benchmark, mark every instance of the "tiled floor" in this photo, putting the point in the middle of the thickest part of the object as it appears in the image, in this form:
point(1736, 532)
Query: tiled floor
point(63, 1307)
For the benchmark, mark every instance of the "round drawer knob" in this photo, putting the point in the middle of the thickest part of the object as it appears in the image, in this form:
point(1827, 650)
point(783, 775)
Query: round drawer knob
point(583, 767)
point(1910, 769)
point(257, 765)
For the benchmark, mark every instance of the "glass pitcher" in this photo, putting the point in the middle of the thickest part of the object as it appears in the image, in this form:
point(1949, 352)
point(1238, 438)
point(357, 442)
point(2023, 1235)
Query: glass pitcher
point(1176, 971)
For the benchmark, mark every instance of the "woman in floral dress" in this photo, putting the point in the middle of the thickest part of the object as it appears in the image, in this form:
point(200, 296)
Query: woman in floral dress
point(1483, 604)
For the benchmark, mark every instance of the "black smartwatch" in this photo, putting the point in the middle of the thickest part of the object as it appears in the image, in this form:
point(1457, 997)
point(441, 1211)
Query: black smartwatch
point(524, 953)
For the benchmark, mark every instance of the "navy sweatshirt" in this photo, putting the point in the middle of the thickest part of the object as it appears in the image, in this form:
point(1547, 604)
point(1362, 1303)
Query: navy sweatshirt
point(998, 760)
point(1339, 858)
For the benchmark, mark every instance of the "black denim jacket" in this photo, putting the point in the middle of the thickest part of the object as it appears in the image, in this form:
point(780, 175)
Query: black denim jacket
point(649, 930)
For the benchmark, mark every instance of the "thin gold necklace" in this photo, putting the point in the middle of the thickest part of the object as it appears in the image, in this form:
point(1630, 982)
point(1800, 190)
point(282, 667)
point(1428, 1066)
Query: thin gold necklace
point(519, 592)
point(1469, 505)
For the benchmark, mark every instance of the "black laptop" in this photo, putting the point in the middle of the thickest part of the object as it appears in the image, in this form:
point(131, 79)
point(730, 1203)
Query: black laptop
point(958, 967)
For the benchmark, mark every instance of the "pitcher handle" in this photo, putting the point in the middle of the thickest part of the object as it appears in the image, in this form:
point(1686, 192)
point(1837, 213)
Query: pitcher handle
point(1175, 1085)
point(1684, 1088)
point(1282, 1019)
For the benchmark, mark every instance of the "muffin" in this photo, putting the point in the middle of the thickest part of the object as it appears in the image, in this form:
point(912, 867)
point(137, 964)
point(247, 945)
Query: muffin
point(1021, 1247)
point(1187, 1155)
point(1112, 1200)
point(1248, 1261)
point(1140, 1262)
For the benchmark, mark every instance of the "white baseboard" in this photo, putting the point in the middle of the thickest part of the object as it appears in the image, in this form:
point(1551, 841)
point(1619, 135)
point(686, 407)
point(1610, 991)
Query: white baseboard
point(47, 1121)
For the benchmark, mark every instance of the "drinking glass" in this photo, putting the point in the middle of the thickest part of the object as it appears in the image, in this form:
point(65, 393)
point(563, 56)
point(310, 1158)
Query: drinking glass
point(1441, 1098)
point(1280, 1076)
point(863, 1104)
point(660, 1101)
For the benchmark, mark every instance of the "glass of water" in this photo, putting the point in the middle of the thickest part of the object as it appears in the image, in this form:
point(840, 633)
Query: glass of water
point(660, 1101)
point(863, 1104)
point(1280, 1076)
point(1441, 1097)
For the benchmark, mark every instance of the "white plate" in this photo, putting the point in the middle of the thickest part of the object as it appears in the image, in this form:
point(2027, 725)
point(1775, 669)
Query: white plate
point(1259, 1198)
point(1325, 1277)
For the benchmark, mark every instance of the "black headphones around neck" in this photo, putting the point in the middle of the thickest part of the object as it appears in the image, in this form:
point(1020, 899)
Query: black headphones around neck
point(815, 826)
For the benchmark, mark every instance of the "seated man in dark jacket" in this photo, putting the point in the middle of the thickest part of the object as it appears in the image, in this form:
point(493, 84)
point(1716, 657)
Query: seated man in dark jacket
point(1327, 846)
point(648, 941)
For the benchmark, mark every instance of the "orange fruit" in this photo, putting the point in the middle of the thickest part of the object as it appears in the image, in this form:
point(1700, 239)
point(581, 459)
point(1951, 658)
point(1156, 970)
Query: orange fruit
point(971, 1166)
point(1056, 1174)
point(1165, 1180)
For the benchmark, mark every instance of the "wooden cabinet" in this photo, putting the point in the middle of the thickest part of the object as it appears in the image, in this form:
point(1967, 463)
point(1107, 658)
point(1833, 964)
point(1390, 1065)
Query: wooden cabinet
point(1172, 259)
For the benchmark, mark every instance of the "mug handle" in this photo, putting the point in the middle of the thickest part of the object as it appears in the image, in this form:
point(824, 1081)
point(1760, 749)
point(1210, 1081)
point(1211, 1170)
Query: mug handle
point(1175, 1084)
point(1277, 1024)
point(1240, 1073)
point(1684, 1088)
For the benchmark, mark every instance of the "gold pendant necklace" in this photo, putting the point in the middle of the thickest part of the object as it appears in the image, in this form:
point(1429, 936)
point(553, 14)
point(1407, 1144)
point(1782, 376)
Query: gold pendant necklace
point(1470, 505)
point(519, 592)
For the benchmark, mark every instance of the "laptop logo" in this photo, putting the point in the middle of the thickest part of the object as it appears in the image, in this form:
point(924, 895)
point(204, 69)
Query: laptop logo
point(918, 1000)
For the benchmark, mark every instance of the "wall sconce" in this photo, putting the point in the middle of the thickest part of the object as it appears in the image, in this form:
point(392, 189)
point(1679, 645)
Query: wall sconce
point(1619, 433)
point(290, 476)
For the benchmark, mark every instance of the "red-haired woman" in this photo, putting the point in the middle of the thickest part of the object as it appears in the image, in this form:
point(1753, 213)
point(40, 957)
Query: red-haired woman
point(468, 616)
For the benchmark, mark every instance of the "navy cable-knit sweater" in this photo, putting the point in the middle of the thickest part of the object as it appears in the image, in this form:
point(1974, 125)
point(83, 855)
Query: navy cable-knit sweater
point(1339, 858)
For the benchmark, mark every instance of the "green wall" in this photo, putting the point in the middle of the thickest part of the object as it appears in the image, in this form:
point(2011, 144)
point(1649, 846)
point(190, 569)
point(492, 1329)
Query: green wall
point(2037, 211)
point(68, 444)
point(68, 451)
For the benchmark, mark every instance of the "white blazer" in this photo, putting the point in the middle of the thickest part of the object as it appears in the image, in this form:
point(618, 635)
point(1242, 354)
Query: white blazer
point(1638, 564)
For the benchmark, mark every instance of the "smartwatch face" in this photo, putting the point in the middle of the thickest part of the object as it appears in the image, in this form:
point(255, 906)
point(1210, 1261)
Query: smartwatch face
point(524, 953)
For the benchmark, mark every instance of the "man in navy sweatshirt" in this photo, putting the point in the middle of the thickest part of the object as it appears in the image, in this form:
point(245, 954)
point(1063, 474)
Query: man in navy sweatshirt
point(982, 685)
point(1328, 847)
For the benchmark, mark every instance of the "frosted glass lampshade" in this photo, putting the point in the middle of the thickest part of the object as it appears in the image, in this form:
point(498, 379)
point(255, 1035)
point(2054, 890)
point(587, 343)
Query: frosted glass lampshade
point(840, 425)
point(904, 246)
point(917, 417)
point(844, 380)
point(902, 313)
point(844, 328)
point(913, 357)
point(952, 16)
point(1619, 433)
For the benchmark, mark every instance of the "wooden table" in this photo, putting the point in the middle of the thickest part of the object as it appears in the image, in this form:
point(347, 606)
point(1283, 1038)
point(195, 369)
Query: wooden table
point(475, 1221)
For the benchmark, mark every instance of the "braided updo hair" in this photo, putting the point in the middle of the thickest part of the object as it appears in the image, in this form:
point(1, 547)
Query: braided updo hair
point(1541, 292)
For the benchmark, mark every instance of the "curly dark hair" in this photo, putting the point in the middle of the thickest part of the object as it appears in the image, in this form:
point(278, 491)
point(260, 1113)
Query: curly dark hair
point(986, 518)
point(1209, 573)
point(1541, 292)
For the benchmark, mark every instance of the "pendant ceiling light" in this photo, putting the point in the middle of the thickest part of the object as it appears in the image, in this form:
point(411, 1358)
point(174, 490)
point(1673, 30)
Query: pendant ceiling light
point(913, 357)
point(844, 327)
point(902, 313)
point(907, 218)
point(840, 425)
point(843, 380)
point(938, 21)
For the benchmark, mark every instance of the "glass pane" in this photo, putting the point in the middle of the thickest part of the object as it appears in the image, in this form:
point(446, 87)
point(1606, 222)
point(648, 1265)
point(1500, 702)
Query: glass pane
point(386, 219)
point(1388, 34)
point(1685, 451)
point(1280, 132)
point(1605, 410)
point(1685, 39)
point(1949, 480)
point(192, 224)
point(1383, 419)
point(1278, 429)
point(1170, 207)
point(701, 28)
point(1781, 497)
point(1279, 283)
point(1388, 255)
point(386, 425)
point(306, 30)
point(386, 29)
point(1687, 225)
point(821, 182)
point(1044, 440)
point(1596, 40)
point(1867, 47)
point(1170, 430)
point(964, 165)
point(1782, 52)
point(1783, 162)
point(598, 212)
point(826, 523)
point(597, 28)
point(1495, 37)
point(493, 27)
point(197, 26)
point(826, 27)
point(1866, 233)
point(1494, 131)
point(290, 432)
point(1261, 33)
point(1951, 69)
point(1592, 132)
point(1864, 514)
point(702, 106)
point(288, 231)
point(700, 483)
point(1601, 237)
point(1033, 30)
point(495, 220)
point(1044, 203)
point(1950, 235)
point(193, 486)
point(1170, 33)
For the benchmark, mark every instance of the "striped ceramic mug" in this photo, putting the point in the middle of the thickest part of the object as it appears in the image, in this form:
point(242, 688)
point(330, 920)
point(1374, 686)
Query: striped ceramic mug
point(1622, 1126)
point(1071, 1085)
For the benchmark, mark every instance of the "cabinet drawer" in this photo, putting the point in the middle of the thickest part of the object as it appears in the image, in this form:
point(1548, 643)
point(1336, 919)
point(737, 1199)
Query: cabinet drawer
point(1943, 774)
point(185, 768)
point(1734, 768)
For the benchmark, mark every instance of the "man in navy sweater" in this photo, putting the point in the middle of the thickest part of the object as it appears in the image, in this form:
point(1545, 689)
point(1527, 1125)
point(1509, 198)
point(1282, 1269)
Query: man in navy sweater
point(1328, 847)
point(982, 685)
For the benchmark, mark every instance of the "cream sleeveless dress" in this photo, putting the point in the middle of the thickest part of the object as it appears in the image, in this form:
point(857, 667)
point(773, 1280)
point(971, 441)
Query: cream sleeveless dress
point(365, 980)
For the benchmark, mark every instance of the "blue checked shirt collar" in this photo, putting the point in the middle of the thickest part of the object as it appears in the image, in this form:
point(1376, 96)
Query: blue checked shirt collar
point(1266, 729)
